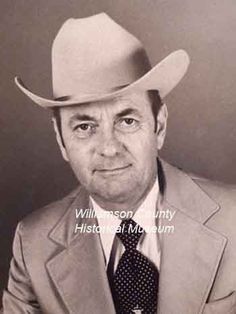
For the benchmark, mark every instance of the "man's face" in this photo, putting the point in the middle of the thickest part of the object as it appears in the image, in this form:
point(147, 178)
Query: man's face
point(112, 147)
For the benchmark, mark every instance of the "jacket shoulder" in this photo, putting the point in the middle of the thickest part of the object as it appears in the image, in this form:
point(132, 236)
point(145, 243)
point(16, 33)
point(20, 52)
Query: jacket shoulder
point(42, 219)
point(224, 219)
point(222, 193)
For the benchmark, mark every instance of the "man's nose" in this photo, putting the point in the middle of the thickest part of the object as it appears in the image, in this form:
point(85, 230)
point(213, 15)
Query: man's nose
point(108, 144)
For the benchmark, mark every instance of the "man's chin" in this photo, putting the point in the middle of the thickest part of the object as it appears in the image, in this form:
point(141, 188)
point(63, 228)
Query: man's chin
point(115, 189)
point(114, 195)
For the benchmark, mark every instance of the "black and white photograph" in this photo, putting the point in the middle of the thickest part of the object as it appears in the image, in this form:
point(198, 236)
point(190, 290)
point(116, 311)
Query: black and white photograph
point(118, 152)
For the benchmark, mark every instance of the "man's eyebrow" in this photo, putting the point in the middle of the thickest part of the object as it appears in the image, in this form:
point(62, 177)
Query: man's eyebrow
point(81, 117)
point(126, 112)
point(86, 117)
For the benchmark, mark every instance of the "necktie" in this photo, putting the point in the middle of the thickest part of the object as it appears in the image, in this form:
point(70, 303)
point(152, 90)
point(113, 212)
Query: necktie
point(135, 282)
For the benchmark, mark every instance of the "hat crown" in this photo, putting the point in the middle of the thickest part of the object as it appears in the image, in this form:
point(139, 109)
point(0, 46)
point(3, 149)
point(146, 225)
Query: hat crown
point(95, 55)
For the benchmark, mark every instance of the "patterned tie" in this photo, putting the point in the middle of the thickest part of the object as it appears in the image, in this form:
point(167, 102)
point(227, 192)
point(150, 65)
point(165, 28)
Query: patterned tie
point(135, 282)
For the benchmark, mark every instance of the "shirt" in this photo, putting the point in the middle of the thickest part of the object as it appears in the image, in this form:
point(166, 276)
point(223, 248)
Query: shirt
point(149, 244)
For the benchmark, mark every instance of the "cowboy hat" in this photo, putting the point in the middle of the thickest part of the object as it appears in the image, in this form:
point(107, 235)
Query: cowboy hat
point(94, 59)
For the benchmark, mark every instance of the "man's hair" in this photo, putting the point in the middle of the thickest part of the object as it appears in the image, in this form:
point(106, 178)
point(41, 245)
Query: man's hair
point(153, 95)
point(57, 116)
point(156, 103)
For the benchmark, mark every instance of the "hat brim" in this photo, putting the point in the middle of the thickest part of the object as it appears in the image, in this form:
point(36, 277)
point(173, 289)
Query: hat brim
point(162, 77)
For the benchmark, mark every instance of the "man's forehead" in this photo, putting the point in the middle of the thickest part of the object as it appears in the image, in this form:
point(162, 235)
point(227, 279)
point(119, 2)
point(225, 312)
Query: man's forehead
point(138, 100)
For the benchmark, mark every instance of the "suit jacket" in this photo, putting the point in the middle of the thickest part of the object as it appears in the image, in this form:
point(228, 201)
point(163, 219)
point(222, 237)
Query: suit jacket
point(56, 271)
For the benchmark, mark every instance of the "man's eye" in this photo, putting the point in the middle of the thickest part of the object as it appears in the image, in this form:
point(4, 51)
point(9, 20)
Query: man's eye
point(83, 126)
point(128, 124)
point(129, 121)
point(84, 129)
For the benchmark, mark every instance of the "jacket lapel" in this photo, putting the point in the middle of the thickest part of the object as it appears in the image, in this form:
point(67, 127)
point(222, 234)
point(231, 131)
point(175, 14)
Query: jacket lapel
point(78, 271)
point(191, 254)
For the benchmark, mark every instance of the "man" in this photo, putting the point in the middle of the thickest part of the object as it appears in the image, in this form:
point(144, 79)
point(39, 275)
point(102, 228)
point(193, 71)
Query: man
point(110, 123)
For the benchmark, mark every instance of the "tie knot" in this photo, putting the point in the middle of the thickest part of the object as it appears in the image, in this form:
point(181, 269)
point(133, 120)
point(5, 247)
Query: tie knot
point(129, 233)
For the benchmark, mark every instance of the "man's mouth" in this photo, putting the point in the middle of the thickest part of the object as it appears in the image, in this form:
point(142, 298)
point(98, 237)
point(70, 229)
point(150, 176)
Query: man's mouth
point(112, 170)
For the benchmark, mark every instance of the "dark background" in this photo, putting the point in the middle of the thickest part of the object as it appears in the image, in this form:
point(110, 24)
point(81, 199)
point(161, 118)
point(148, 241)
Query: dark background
point(202, 110)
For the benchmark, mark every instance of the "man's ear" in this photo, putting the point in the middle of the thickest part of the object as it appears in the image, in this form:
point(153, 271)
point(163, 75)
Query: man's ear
point(161, 125)
point(59, 140)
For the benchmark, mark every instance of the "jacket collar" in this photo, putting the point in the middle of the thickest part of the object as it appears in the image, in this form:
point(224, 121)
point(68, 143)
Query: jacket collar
point(63, 231)
point(183, 193)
